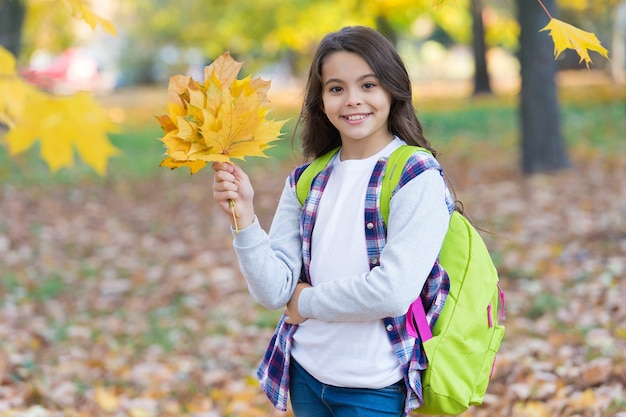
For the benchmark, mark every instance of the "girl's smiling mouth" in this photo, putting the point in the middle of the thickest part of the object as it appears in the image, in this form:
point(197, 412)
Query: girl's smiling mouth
point(356, 117)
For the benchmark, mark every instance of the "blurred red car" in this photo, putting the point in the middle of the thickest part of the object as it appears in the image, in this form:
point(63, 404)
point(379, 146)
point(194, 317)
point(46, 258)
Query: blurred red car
point(72, 71)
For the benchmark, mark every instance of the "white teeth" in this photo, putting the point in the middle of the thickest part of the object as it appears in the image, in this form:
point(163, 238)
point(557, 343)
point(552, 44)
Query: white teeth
point(356, 117)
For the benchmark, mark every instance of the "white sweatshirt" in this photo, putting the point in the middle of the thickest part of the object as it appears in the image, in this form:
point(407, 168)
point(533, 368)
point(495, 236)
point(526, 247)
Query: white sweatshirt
point(344, 342)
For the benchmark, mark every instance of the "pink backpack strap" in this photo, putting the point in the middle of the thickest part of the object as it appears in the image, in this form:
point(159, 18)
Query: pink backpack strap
point(416, 321)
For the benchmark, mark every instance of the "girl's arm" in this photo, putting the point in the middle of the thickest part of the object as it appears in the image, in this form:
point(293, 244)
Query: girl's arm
point(270, 263)
point(418, 222)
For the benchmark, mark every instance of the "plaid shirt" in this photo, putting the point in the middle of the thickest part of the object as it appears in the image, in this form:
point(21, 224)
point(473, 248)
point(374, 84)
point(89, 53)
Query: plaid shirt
point(273, 373)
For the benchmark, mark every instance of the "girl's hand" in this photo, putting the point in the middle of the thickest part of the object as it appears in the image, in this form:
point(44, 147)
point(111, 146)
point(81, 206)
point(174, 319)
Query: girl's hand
point(232, 184)
point(291, 310)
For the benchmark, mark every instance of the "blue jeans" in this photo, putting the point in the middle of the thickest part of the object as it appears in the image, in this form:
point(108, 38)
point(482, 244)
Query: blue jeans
point(311, 398)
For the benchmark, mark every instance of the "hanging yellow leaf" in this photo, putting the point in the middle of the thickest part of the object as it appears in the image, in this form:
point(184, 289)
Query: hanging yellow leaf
point(219, 119)
point(13, 91)
point(63, 124)
point(78, 9)
point(566, 36)
point(7, 62)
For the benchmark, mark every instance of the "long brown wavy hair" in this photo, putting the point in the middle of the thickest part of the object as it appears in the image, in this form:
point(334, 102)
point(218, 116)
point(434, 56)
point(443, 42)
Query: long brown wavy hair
point(318, 134)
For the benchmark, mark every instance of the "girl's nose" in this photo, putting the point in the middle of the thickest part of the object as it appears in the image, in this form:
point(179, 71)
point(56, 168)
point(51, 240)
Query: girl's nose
point(353, 99)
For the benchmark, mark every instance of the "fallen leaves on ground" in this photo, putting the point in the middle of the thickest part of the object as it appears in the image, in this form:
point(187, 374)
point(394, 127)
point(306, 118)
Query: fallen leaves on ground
point(124, 299)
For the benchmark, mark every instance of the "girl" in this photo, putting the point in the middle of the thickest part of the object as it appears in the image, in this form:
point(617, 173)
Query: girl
point(341, 348)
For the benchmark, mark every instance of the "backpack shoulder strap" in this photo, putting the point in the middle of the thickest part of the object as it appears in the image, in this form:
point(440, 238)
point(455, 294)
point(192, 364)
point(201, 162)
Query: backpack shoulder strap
point(303, 185)
point(395, 166)
point(416, 316)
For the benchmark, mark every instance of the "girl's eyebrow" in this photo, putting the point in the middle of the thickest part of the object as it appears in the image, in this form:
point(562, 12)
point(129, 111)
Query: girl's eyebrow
point(337, 80)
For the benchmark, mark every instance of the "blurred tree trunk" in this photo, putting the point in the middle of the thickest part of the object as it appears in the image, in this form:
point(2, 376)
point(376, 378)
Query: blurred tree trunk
point(481, 76)
point(542, 145)
point(618, 50)
point(12, 14)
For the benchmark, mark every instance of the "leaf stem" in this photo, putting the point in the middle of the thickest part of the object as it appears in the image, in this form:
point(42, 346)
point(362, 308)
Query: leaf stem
point(545, 9)
point(233, 210)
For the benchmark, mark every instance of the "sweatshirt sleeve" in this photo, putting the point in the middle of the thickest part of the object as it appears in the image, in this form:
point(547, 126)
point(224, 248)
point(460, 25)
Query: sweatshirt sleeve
point(271, 263)
point(418, 221)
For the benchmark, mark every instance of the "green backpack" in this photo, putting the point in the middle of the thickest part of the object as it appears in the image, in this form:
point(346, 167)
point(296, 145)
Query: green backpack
point(462, 345)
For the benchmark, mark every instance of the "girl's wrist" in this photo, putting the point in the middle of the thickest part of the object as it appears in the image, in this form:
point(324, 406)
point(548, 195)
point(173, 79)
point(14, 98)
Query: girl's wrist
point(243, 221)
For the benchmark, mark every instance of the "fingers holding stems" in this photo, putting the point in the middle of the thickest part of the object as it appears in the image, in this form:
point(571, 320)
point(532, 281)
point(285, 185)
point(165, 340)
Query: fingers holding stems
point(233, 192)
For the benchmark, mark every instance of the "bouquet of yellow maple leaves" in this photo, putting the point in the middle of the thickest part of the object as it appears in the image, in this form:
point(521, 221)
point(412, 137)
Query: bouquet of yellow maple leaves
point(218, 119)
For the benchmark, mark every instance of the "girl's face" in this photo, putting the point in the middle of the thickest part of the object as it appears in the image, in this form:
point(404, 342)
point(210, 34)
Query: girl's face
point(356, 104)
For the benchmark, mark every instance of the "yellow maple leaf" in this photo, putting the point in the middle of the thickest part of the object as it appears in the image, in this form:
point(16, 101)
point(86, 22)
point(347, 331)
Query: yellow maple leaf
point(106, 399)
point(223, 71)
point(171, 163)
point(585, 400)
point(531, 409)
point(216, 120)
point(566, 36)
point(7, 62)
point(13, 90)
point(78, 9)
point(62, 125)
point(139, 412)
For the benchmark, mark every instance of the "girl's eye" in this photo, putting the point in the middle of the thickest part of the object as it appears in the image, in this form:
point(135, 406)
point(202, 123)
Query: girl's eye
point(369, 85)
point(335, 89)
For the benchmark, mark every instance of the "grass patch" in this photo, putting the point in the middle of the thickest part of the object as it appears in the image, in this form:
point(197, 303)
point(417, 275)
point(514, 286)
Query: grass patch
point(10, 282)
point(267, 319)
point(600, 126)
point(48, 288)
point(141, 152)
point(475, 124)
point(28, 168)
point(617, 406)
point(542, 304)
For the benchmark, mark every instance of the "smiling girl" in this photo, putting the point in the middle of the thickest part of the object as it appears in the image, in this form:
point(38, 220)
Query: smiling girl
point(344, 278)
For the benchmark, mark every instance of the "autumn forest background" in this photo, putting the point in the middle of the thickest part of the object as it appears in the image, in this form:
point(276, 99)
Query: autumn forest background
point(119, 291)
